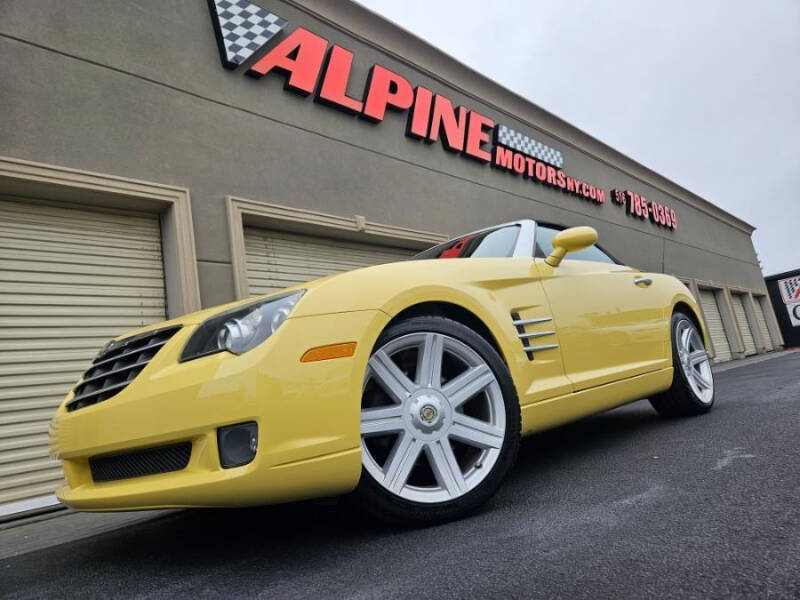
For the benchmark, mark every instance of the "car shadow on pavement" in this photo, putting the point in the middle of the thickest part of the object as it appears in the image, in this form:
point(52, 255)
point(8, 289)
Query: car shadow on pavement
point(556, 448)
point(314, 534)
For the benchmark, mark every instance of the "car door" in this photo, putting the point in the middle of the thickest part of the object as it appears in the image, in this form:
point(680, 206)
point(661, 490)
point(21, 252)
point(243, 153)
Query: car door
point(609, 317)
point(518, 303)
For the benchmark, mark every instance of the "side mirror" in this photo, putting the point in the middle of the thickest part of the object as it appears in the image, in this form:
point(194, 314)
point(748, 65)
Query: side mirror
point(573, 239)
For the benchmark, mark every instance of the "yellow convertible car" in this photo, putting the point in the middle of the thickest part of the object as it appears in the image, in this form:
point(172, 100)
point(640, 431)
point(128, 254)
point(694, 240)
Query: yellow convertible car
point(409, 384)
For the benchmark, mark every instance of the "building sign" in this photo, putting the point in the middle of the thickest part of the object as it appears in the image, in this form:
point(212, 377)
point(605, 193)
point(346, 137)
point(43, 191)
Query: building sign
point(242, 29)
point(312, 67)
point(794, 314)
point(790, 294)
point(538, 171)
point(637, 205)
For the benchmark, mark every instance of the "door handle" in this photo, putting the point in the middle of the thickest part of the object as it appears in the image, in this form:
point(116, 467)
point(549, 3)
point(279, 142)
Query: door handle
point(643, 281)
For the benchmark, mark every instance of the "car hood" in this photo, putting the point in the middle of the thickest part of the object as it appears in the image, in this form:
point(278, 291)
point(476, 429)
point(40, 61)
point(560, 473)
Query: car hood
point(197, 317)
point(381, 287)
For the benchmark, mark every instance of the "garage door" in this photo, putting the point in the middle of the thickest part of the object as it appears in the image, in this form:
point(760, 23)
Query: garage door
point(762, 321)
point(744, 326)
point(71, 278)
point(722, 348)
point(277, 260)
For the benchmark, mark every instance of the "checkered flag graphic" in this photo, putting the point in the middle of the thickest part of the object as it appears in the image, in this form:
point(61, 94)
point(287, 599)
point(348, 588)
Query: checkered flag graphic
point(527, 145)
point(242, 28)
point(790, 289)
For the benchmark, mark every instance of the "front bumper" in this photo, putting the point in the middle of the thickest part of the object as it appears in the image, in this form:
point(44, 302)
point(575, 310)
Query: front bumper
point(307, 416)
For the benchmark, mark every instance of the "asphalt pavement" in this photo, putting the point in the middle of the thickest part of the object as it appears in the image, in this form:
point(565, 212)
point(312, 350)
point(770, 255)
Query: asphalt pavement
point(622, 505)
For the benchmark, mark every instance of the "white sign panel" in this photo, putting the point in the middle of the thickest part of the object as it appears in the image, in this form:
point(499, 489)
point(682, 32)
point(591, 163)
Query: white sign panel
point(794, 314)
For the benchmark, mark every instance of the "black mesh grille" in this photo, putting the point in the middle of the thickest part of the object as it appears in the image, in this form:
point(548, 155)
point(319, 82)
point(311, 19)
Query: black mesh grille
point(119, 364)
point(150, 461)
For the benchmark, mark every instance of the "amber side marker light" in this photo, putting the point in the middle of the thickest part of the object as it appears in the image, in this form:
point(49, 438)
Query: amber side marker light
point(328, 352)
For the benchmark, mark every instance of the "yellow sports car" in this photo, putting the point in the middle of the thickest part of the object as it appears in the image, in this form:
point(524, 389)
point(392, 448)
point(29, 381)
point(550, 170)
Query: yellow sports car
point(409, 383)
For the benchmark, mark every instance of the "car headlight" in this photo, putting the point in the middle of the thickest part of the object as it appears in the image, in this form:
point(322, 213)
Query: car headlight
point(240, 329)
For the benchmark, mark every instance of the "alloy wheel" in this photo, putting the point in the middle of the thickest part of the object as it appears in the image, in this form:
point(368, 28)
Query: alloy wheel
point(433, 418)
point(694, 361)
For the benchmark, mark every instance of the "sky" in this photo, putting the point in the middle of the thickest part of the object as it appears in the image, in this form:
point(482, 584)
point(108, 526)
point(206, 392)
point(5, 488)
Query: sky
point(707, 93)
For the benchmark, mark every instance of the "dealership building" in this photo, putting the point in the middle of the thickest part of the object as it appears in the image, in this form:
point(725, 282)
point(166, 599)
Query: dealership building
point(160, 157)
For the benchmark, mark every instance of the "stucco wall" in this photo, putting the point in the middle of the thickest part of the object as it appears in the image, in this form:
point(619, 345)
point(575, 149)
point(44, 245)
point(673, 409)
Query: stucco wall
point(136, 89)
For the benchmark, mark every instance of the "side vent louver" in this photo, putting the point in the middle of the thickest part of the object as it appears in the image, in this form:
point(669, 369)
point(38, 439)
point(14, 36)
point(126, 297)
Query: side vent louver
point(527, 337)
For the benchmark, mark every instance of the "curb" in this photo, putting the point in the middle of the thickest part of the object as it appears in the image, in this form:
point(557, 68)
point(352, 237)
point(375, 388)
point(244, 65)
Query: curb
point(752, 360)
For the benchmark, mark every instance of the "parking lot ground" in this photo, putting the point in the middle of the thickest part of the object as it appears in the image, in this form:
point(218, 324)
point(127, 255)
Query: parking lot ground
point(624, 504)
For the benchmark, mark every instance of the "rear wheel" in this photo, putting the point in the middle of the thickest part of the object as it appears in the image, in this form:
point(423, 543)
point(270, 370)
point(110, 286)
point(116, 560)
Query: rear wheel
point(692, 391)
point(440, 422)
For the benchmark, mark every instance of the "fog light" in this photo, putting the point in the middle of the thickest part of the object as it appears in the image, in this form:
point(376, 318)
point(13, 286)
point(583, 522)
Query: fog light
point(237, 444)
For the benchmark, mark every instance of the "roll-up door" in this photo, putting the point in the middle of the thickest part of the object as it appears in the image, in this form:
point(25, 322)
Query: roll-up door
point(716, 330)
point(762, 322)
point(277, 260)
point(744, 325)
point(71, 278)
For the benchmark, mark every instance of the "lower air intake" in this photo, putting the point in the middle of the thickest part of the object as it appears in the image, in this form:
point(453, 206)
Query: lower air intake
point(150, 461)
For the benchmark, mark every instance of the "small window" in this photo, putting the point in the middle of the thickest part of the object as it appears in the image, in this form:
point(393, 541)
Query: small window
point(544, 246)
point(494, 243)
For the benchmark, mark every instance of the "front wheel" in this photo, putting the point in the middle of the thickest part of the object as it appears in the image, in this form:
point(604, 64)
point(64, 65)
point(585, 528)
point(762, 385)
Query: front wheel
point(440, 422)
point(692, 391)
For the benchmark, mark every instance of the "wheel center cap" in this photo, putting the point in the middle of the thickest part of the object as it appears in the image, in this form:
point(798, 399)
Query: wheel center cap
point(427, 411)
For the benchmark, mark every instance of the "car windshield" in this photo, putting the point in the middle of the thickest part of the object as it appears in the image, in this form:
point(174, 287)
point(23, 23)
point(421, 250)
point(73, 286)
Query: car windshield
point(491, 243)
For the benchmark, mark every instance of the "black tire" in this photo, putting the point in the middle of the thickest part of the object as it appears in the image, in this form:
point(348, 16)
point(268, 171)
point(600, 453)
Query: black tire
point(680, 400)
point(386, 506)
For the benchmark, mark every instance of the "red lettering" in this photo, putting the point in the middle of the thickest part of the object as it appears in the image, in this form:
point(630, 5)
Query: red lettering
point(333, 90)
point(419, 120)
point(300, 55)
point(601, 195)
point(503, 157)
point(674, 218)
point(519, 163)
point(531, 164)
point(453, 127)
point(386, 89)
point(562, 180)
point(592, 192)
point(571, 185)
point(478, 130)
point(551, 175)
point(541, 171)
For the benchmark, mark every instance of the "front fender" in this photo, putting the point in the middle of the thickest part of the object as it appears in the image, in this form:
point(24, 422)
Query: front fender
point(473, 286)
point(682, 297)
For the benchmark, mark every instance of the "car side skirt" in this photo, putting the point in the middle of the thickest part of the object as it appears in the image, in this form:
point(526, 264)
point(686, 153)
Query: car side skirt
point(570, 407)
